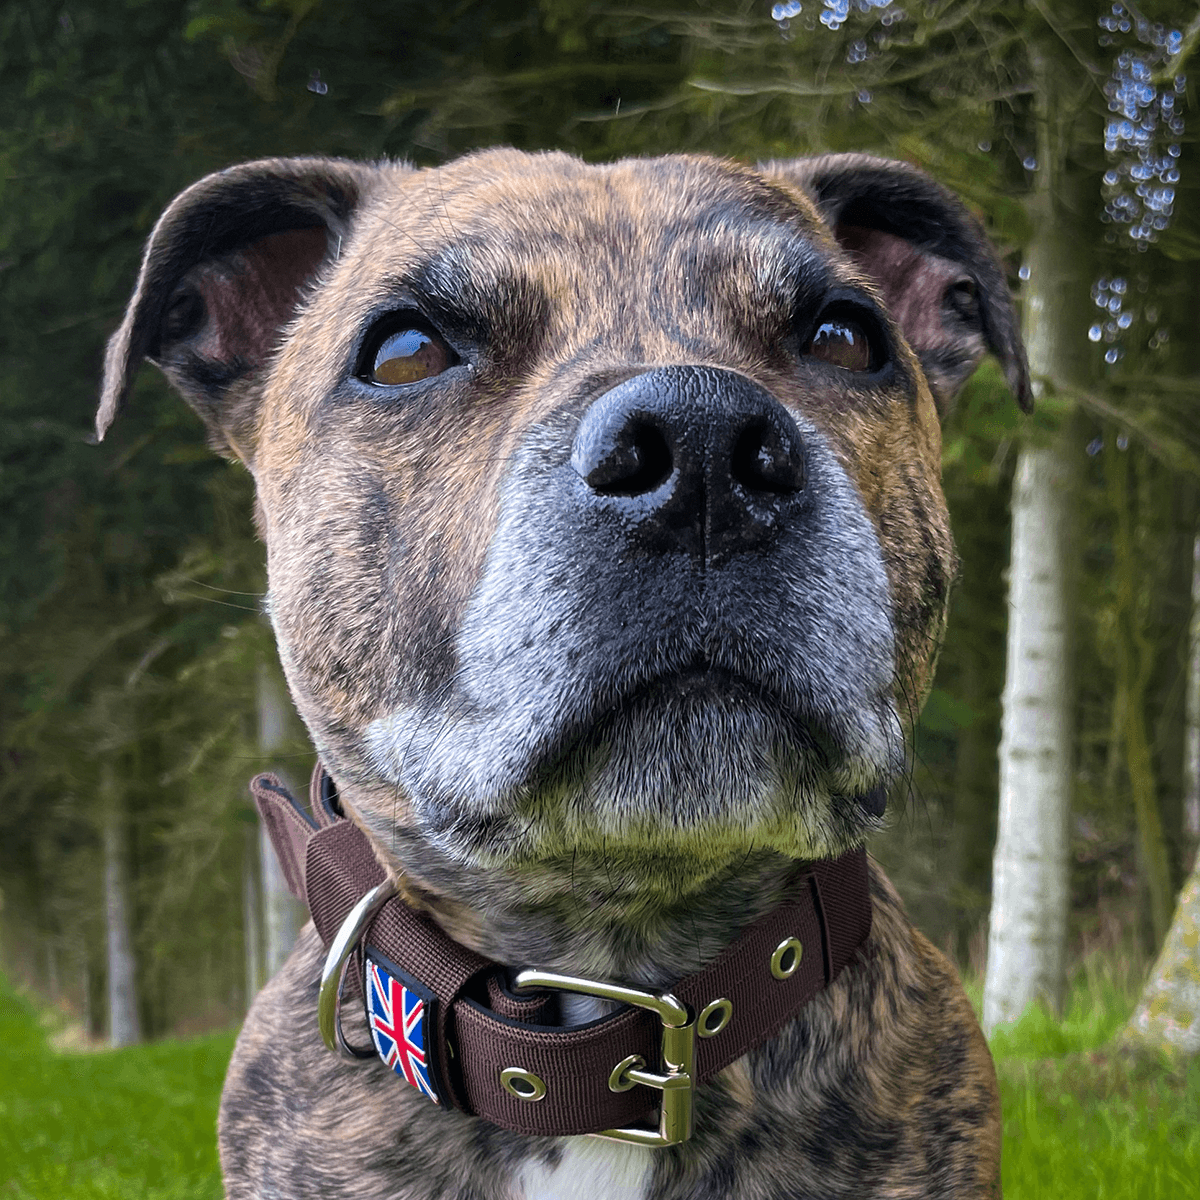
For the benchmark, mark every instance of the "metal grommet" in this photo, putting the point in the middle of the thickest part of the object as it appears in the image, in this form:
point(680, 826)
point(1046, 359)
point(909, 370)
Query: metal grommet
point(714, 1017)
point(525, 1085)
point(619, 1080)
point(786, 958)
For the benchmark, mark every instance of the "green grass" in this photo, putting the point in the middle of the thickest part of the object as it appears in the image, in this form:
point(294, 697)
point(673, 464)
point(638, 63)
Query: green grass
point(1079, 1121)
point(97, 1126)
point(1083, 1121)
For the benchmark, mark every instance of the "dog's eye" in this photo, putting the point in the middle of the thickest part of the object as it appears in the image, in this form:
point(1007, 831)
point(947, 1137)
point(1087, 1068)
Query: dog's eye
point(409, 355)
point(843, 343)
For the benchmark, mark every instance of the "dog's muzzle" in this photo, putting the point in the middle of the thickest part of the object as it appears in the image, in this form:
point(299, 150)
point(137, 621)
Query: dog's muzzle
point(683, 605)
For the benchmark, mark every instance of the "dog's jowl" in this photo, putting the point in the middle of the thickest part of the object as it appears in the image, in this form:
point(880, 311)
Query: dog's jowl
point(608, 563)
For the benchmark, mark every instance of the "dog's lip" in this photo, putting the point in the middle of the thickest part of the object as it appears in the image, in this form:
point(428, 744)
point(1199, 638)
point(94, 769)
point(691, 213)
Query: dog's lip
point(694, 684)
point(714, 683)
point(592, 722)
point(707, 681)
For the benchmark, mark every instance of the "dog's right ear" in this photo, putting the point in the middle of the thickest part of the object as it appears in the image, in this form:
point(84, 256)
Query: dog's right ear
point(224, 271)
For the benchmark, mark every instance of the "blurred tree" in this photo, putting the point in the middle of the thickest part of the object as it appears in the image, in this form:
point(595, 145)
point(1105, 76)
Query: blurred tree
point(1168, 1014)
point(278, 728)
point(1027, 935)
point(124, 1023)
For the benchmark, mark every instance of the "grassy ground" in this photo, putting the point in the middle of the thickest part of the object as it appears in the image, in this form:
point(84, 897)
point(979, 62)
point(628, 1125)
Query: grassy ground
point(108, 1125)
point(140, 1123)
point(1080, 1121)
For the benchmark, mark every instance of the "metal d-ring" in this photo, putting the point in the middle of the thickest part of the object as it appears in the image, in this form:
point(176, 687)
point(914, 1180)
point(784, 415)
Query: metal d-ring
point(340, 949)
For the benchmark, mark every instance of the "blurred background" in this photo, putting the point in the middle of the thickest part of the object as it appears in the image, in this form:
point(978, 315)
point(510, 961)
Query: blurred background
point(140, 689)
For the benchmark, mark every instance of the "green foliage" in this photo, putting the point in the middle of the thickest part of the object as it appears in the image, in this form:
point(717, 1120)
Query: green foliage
point(437, 80)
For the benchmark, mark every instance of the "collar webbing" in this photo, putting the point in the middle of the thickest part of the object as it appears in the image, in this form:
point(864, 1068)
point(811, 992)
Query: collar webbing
point(479, 1047)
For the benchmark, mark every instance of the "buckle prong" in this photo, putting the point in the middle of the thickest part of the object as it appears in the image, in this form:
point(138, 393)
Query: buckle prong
point(676, 1080)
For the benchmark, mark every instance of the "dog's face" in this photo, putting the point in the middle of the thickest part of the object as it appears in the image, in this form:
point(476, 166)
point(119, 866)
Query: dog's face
point(601, 503)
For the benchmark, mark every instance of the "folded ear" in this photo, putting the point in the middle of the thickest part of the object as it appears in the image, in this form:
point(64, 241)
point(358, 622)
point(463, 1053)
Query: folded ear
point(938, 272)
point(224, 271)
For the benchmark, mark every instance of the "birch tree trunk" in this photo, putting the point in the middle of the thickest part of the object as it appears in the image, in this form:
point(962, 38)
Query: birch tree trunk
point(1168, 1015)
point(1191, 806)
point(252, 922)
point(282, 915)
point(1027, 931)
point(124, 1027)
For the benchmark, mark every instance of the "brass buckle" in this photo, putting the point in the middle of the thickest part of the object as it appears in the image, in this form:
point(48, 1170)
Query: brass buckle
point(676, 1079)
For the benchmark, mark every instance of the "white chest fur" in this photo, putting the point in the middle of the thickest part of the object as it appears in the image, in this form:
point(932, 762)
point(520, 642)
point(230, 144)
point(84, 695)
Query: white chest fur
point(590, 1169)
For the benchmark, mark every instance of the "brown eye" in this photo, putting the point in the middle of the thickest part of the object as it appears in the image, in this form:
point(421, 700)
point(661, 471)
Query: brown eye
point(843, 343)
point(410, 355)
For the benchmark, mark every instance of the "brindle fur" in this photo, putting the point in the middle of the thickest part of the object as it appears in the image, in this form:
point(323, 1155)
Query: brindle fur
point(540, 758)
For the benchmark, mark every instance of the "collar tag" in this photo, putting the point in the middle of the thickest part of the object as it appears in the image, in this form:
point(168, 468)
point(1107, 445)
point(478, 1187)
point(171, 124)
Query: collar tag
point(400, 1013)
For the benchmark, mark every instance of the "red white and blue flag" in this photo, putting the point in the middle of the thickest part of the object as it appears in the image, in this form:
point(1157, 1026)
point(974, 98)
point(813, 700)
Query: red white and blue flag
point(397, 1015)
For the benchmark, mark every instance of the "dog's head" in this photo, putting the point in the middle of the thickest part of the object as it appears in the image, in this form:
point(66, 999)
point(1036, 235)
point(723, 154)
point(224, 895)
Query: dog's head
point(601, 503)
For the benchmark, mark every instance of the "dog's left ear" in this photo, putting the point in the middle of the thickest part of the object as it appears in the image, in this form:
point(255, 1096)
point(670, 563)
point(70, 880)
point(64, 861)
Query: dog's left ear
point(938, 272)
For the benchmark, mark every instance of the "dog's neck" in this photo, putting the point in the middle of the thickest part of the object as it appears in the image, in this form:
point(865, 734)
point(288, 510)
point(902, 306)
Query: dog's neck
point(590, 918)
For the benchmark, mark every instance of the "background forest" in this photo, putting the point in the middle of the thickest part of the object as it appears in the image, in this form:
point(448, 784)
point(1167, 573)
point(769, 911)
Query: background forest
point(139, 686)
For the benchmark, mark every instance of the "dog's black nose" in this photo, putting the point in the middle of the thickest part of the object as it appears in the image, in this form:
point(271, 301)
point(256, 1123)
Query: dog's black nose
point(693, 459)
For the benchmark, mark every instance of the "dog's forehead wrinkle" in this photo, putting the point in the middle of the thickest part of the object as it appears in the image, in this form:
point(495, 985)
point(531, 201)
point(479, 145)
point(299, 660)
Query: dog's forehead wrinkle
point(773, 263)
point(458, 281)
point(610, 238)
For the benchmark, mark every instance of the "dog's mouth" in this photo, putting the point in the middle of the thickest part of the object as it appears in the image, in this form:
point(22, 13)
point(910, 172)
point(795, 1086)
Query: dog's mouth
point(687, 737)
point(689, 716)
point(698, 684)
point(666, 700)
point(691, 763)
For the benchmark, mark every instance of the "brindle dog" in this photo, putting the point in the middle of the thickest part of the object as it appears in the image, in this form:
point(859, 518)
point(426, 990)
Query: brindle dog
point(608, 564)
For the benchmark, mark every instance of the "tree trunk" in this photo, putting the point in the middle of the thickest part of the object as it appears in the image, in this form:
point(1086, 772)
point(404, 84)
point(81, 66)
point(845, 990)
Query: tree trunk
point(282, 914)
point(1027, 934)
point(1030, 894)
point(124, 1028)
point(1135, 661)
point(252, 922)
point(1168, 1014)
point(1192, 790)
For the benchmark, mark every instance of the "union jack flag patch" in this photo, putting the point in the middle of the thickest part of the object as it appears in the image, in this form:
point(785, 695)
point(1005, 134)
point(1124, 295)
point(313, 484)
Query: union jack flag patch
point(400, 1013)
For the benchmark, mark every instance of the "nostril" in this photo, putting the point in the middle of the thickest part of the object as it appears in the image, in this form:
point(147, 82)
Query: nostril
point(633, 460)
point(765, 459)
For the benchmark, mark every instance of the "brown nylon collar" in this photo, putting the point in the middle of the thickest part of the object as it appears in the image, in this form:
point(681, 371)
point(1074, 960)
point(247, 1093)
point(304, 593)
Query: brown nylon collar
point(480, 1029)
